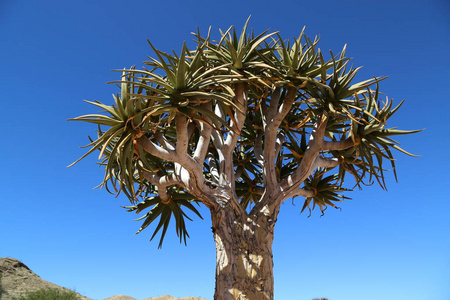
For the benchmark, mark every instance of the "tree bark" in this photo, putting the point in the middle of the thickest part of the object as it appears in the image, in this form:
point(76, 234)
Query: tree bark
point(244, 269)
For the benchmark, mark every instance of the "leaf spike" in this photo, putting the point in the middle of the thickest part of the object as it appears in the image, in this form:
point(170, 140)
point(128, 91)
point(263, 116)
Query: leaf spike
point(343, 51)
point(302, 33)
point(224, 35)
point(205, 40)
point(243, 34)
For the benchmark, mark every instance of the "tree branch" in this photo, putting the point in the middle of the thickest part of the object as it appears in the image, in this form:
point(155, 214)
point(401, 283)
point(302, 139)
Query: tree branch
point(165, 180)
point(187, 170)
point(156, 150)
point(326, 162)
point(257, 148)
point(301, 192)
point(163, 141)
point(273, 106)
point(217, 138)
point(308, 162)
point(218, 142)
point(338, 145)
point(162, 182)
point(182, 134)
point(279, 143)
point(213, 167)
point(271, 135)
point(285, 106)
point(203, 140)
point(239, 118)
point(273, 140)
point(236, 125)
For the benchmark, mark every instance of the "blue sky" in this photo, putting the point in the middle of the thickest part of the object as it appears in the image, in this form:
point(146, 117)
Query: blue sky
point(382, 245)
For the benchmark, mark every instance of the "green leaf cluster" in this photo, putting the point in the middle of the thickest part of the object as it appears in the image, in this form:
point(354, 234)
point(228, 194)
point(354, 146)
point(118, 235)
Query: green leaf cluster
point(200, 84)
point(326, 191)
point(165, 212)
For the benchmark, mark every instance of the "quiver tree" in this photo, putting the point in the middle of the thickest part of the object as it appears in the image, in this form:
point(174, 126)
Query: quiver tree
point(241, 125)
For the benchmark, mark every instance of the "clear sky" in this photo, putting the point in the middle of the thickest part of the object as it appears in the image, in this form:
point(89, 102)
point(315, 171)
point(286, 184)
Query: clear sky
point(382, 245)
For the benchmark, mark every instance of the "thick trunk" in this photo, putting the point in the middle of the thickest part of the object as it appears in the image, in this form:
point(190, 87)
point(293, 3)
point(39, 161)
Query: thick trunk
point(244, 269)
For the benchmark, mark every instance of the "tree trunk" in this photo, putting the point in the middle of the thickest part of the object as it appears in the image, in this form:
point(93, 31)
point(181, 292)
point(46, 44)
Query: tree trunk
point(244, 269)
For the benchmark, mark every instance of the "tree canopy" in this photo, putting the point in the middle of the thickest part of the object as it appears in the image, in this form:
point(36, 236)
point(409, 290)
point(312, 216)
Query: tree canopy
point(248, 114)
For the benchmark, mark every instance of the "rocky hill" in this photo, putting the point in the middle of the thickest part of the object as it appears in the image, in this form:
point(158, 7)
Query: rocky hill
point(16, 278)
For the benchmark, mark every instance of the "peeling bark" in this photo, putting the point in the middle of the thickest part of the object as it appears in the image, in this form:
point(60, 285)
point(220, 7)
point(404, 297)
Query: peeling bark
point(244, 269)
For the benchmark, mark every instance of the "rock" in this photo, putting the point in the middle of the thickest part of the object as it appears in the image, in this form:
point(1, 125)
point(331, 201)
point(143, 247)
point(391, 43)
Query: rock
point(168, 297)
point(165, 297)
point(120, 297)
point(17, 278)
